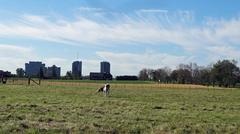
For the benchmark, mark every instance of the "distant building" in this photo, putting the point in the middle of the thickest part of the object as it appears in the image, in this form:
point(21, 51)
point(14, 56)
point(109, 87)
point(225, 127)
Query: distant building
point(127, 77)
point(53, 72)
point(100, 76)
point(104, 73)
point(77, 69)
point(5, 74)
point(35, 69)
point(105, 67)
point(20, 72)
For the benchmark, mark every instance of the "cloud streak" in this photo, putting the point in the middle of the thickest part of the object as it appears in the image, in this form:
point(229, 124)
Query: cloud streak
point(128, 63)
point(125, 29)
point(153, 11)
point(12, 56)
point(135, 29)
point(90, 9)
point(217, 38)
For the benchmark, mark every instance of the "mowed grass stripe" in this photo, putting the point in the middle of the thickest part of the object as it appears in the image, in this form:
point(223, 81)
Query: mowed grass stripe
point(128, 86)
point(114, 84)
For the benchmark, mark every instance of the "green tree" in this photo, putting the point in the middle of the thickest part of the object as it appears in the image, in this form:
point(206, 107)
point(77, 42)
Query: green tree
point(69, 75)
point(20, 72)
point(161, 75)
point(225, 73)
point(205, 76)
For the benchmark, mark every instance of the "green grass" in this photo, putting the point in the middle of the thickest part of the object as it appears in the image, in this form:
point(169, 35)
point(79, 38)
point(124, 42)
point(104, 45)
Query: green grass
point(104, 81)
point(60, 109)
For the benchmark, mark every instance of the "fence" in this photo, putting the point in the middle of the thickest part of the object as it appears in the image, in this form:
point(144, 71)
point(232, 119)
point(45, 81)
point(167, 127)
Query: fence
point(22, 81)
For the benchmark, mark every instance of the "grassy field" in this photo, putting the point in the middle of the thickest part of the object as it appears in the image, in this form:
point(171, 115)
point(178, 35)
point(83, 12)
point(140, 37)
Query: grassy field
point(103, 81)
point(78, 109)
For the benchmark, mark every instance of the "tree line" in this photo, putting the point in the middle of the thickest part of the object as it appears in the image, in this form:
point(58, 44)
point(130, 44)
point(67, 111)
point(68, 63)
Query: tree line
point(224, 73)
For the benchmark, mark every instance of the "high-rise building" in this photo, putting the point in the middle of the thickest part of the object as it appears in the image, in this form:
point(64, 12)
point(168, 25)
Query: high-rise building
point(77, 69)
point(35, 69)
point(53, 72)
point(105, 67)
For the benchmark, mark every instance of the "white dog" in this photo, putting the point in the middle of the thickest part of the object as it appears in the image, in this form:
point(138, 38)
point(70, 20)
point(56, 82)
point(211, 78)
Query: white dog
point(105, 89)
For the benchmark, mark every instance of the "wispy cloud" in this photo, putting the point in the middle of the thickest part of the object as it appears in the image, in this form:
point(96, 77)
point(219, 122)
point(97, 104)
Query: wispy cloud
point(7, 50)
point(128, 63)
point(218, 38)
point(12, 56)
point(15, 56)
point(127, 30)
point(90, 9)
point(152, 11)
point(18, 49)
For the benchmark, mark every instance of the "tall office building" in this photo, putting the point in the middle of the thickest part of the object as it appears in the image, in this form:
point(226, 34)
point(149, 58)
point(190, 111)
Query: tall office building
point(105, 67)
point(77, 69)
point(104, 72)
point(35, 69)
point(53, 72)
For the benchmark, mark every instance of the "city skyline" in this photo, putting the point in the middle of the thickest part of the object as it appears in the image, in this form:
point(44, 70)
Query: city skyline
point(131, 35)
point(32, 68)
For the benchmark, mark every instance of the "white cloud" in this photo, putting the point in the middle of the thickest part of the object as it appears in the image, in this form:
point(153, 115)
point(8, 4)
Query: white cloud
point(223, 52)
point(127, 30)
point(90, 9)
point(128, 63)
point(217, 38)
point(54, 61)
point(11, 64)
point(65, 64)
point(4, 48)
point(152, 11)
point(12, 56)
point(90, 65)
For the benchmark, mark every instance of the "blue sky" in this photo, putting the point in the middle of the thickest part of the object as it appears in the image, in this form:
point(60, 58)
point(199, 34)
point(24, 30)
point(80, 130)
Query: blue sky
point(131, 34)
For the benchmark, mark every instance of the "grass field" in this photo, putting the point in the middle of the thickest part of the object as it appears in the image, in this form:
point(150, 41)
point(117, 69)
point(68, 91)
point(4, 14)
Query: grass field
point(103, 81)
point(78, 109)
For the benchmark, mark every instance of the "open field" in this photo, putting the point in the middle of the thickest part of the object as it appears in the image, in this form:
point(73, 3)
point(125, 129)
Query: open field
point(114, 84)
point(78, 109)
point(103, 81)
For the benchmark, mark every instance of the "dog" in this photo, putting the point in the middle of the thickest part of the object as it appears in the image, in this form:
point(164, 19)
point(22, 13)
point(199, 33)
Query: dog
point(105, 89)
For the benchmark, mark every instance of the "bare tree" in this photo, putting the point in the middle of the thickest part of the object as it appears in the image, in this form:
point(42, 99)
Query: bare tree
point(143, 75)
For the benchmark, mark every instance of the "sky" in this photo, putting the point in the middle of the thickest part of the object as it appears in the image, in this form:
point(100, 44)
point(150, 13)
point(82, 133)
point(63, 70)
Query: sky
point(130, 34)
